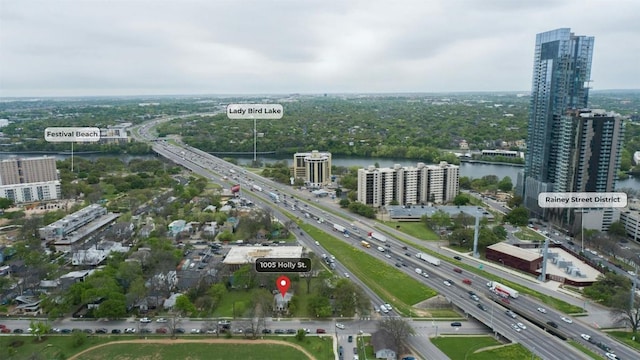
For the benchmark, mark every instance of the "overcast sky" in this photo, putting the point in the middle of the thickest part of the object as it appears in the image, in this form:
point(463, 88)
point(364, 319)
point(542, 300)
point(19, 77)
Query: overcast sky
point(148, 47)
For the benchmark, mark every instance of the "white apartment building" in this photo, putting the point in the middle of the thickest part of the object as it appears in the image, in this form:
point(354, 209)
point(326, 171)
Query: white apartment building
point(30, 192)
point(408, 185)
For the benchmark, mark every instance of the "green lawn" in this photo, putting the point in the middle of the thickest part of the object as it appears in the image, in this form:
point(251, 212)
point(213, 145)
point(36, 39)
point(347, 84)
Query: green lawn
point(416, 229)
point(465, 347)
point(528, 235)
point(195, 351)
point(627, 338)
point(388, 282)
point(61, 347)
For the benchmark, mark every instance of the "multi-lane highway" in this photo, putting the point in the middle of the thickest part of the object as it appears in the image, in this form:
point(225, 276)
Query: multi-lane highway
point(537, 335)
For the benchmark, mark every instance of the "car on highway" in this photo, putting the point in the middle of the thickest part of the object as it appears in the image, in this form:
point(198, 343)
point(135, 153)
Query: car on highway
point(388, 306)
point(388, 256)
point(515, 327)
point(456, 324)
point(552, 324)
point(475, 297)
point(521, 326)
point(611, 356)
point(457, 258)
point(340, 326)
point(446, 282)
point(482, 307)
point(511, 314)
point(567, 320)
point(542, 310)
point(346, 275)
point(586, 337)
point(317, 243)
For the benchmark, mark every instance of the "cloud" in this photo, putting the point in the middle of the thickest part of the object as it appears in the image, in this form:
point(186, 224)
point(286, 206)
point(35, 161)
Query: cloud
point(96, 47)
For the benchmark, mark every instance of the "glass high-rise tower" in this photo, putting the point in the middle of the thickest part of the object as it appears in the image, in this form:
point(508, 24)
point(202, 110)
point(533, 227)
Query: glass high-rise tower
point(561, 72)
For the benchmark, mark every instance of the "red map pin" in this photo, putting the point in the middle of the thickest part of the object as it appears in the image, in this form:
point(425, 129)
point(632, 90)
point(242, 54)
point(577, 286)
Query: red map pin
point(283, 283)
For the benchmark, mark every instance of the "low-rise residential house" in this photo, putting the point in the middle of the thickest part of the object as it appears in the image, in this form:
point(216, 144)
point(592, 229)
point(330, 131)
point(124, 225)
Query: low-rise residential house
point(383, 345)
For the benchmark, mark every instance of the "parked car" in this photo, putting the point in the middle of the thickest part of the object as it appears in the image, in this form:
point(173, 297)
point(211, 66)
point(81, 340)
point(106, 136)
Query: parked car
point(116, 331)
point(129, 331)
point(161, 330)
point(145, 331)
point(279, 331)
point(321, 331)
point(291, 331)
point(145, 320)
point(266, 331)
point(180, 331)
point(101, 331)
point(161, 320)
point(18, 331)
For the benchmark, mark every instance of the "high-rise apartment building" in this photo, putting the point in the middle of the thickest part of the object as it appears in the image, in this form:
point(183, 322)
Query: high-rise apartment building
point(29, 180)
point(569, 148)
point(31, 170)
point(594, 164)
point(561, 72)
point(313, 167)
point(408, 185)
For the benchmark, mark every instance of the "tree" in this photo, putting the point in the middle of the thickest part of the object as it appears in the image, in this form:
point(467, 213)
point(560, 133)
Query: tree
point(440, 219)
point(514, 201)
point(505, 184)
point(5, 203)
point(625, 313)
point(344, 203)
point(461, 199)
point(518, 216)
point(617, 229)
point(301, 334)
point(39, 328)
point(398, 331)
point(184, 305)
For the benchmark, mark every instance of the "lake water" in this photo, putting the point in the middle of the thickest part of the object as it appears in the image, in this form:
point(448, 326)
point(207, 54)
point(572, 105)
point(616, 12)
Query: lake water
point(472, 170)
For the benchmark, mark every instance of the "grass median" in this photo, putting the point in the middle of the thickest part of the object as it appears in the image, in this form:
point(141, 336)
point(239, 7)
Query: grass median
point(480, 348)
point(391, 284)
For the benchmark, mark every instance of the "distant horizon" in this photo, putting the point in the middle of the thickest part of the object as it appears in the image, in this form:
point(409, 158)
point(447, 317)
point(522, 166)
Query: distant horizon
point(408, 93)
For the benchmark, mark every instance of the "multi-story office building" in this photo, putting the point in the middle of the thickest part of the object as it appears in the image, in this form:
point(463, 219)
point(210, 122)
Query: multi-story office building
point(313, 167)
point(31, 170)
point(408, 185)
point(561, 72)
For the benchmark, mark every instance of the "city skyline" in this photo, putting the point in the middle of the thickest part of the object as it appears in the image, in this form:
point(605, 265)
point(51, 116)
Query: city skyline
point(118, 48)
